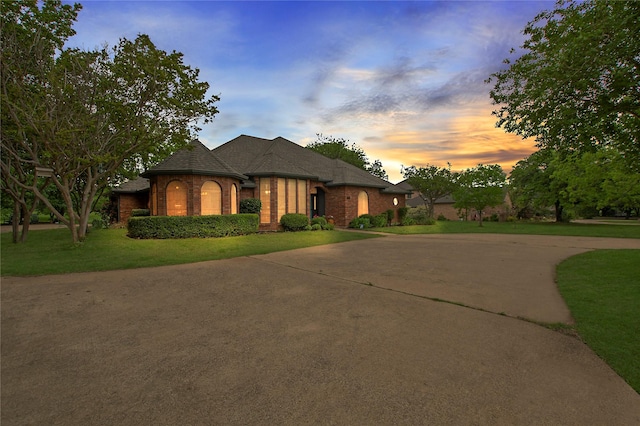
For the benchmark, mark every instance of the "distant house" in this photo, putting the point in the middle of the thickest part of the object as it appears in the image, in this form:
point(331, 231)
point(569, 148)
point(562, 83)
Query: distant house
point(286, 177)
point(444, 205)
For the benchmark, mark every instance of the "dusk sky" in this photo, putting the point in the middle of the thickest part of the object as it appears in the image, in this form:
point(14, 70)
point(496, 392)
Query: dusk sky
point(403, 80)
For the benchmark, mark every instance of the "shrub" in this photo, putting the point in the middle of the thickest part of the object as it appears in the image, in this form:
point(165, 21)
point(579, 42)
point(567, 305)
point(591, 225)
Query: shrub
point(98, 224)
point(329, 227)
point(407, 221)
point(163, 227)
point(294, 221)
point(316, 227)
point(319, 220)
point(390, 214)
point(34, 218)
point(250, 205)
point(402, 213)
point(140, 212)
point(420, 216)
point(362, 221)
point(379, 221)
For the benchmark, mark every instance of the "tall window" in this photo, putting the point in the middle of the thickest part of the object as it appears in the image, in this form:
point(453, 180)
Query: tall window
point(282, 197)
point(234, 199)
point(265, 198)
point(363, 203)
point(210, 198)
point(176, 198)
point(302, 196)
point(292, 191)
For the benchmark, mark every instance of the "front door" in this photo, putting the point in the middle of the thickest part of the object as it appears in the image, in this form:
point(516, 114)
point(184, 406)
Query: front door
point(317, 203)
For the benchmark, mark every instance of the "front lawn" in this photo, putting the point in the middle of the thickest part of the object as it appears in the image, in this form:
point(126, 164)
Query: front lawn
point(602, 290)
point(51, 251)
point(531, 228)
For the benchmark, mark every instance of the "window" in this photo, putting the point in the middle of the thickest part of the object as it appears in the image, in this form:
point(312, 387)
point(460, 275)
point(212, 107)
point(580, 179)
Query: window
point(234, 199)
point(363, 203)
point(265, 198)
point(292, 190)
point(302, 196)
point(282, 197)
point(176, 198)
point(210, 198)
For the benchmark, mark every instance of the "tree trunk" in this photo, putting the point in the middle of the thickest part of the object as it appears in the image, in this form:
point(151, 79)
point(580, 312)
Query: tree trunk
point(479, 217)
point(559, 209)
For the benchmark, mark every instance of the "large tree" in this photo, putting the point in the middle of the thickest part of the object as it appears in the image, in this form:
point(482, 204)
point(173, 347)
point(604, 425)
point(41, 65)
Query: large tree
point(576, 87)
point(431, 182)
point(480, 187)
point(87, 117)
point(535, 185)
point(340, 148)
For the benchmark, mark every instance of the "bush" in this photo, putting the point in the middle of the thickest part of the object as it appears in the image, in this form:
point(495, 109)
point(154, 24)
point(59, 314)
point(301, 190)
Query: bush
point(402, 213)
point(390, 215)
point(442, 218)
point(420, 216)
point(140, 212)
point(163, 227)
point(294, 221)
point(319, 220)
point(316, 227)
point(360, 222)
point(329, 227)
point(250, 205)
point(98, 224)
point(379, 221)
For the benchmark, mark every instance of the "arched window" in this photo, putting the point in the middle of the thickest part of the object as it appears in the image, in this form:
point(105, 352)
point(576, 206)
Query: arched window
point(210, 198)
point(176, 198)
point(363, 203)
point(234, 199)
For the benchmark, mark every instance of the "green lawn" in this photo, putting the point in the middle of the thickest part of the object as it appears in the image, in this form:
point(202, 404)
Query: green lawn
point(535, 228)
point(51, 251)
point(602, 290)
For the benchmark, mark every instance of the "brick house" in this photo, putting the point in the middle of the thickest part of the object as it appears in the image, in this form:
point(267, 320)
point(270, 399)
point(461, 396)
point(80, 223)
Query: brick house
point(444, 206)
point(286, 177)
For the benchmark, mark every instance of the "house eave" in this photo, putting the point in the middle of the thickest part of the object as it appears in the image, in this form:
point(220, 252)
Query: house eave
point(149, 174)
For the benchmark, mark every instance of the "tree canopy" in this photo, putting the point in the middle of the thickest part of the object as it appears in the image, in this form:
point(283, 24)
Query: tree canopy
point(340, 148)
point(88, 117)
point(577, 85)
point(431, 182)
point(480, 187)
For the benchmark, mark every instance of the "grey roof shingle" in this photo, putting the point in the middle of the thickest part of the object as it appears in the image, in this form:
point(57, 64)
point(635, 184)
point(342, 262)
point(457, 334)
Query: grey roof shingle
point(195, 159)
point(138, 184)
point(280, 157)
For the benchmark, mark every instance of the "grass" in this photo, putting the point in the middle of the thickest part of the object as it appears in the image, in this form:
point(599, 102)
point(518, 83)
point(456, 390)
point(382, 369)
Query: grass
point(51, 251)
point(531, 228)
point(602, 290)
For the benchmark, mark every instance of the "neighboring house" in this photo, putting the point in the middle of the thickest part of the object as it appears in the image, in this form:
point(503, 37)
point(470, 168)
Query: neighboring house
point(286, 177)
point(444, 205)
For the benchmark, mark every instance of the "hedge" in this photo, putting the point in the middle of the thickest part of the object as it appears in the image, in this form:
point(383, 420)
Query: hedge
point(294, 221)
point(164, 227)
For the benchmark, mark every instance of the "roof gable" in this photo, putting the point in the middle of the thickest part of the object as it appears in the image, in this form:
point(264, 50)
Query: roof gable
point(194, 159)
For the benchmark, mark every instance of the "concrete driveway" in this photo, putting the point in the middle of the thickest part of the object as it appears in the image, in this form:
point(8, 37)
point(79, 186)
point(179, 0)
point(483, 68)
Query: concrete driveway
point(353, 333)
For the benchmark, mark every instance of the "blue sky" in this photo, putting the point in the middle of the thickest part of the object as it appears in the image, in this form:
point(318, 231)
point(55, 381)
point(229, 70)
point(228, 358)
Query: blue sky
point(403, 80)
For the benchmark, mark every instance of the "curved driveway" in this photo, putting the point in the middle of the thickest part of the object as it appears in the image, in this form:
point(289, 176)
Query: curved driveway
point(352, 333)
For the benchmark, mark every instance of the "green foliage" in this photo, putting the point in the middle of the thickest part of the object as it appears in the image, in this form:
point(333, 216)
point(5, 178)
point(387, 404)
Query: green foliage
point(480, 187)
point(390, 215)
point(431, 182)
point(441, 217)
point(339, 148)
point(250, 205)
point(140, 212)
point(379, 221)
point(361, 222)
point(602, 291)
point(162, 227)
point(134, 103)
point(316, 227)
point(402, 213)
point(575, 88)
point(320, 220)
point(418, 216)
point(294, 222)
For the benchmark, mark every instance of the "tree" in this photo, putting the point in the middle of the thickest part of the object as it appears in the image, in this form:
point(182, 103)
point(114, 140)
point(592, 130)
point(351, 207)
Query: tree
point(30, 37)
point(339, 148)
point(431, 182)
point(91, 116)
point(480, 187)
point(534, 185)
point(577, 85)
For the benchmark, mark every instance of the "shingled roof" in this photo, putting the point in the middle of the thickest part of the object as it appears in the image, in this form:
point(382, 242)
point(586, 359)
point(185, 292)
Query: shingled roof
point(280, 157)
point(195, 159)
